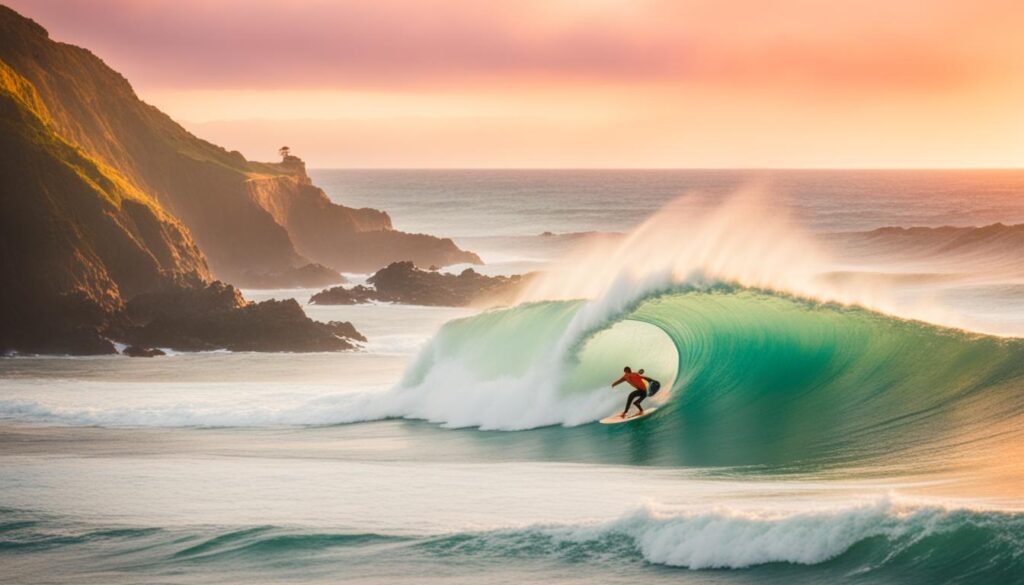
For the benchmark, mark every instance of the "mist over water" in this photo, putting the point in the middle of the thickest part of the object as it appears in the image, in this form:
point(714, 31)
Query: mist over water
point(837, 407)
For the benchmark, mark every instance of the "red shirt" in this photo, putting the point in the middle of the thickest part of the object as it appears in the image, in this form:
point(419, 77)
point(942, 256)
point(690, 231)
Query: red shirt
point(634, 379)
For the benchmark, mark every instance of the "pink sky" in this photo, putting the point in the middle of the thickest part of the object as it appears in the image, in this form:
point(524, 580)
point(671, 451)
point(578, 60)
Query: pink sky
point(604, 83)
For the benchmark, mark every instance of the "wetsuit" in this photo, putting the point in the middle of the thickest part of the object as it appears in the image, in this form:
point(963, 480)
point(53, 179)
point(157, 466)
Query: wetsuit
point(636, 381)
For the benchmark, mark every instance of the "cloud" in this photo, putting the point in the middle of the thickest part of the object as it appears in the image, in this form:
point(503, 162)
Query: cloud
point(575, 83)
point(390, 44)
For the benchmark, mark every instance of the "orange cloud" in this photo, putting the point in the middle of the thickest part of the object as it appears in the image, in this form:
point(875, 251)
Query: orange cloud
point(568, 83)
point(395, 44)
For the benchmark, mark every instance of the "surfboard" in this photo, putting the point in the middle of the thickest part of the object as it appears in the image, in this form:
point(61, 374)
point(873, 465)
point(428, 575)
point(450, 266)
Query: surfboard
point(616, 419)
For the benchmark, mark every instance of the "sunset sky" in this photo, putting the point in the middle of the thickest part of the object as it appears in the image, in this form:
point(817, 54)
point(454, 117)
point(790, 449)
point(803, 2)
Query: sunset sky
point(600, 83)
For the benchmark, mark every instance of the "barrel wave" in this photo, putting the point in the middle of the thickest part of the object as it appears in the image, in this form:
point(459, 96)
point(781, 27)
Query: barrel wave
point(754, 377)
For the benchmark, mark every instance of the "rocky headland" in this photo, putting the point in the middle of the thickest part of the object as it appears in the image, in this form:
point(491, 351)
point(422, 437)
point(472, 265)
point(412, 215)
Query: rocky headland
point(116, 224)
point(247, 217)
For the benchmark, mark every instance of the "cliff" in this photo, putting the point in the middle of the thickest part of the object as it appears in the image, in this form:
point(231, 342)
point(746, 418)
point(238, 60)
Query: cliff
point(89, 256)
point(75, 236)
point(347, 239)
point(248, 218)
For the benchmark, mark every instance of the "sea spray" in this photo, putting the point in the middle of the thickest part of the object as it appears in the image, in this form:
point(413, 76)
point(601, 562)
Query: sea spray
point(749, 239)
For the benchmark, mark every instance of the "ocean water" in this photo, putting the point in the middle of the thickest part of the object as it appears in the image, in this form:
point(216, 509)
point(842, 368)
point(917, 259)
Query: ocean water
point(834, 410)
point(498, 212)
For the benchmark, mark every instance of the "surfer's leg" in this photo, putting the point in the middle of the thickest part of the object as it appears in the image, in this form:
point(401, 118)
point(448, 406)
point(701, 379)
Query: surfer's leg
point(633, 396)
point(639, 399)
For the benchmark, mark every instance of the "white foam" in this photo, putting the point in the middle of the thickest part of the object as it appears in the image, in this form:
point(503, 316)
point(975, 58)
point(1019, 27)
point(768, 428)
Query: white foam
point(735, 539)
point(81, 403)
point(452, 393)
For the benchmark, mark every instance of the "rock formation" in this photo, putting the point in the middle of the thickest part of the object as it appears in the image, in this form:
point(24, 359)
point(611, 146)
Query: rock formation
point(140, 351)
point(217, 317)
point(402, 282)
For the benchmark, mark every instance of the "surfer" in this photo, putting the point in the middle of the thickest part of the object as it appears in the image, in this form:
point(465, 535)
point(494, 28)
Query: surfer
point(639, 383)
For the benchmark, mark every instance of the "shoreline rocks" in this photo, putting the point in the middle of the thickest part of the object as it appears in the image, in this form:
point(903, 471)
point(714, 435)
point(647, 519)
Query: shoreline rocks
point(140, 351)
point(339, 295)
point(218, 317)
point(404, 283)
point(199, 318)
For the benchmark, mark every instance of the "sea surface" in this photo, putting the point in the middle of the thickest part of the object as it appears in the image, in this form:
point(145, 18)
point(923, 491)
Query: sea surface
point(836, 407)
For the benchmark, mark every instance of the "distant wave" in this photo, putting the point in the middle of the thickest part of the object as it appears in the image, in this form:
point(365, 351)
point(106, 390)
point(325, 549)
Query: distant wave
point(881, 540)
point(994, 248)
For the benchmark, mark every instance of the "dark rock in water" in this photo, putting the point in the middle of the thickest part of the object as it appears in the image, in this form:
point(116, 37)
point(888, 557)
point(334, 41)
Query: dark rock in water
point(217, 317)
point(184, 303)
point(308, 276)
point(402, 282)
point(340, 295)
point(345, 329)
point(68, 324)
point(139, 351)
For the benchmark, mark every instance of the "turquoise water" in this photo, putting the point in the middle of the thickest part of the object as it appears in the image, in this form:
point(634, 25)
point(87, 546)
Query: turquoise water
point(797, 440)
point(767, 380)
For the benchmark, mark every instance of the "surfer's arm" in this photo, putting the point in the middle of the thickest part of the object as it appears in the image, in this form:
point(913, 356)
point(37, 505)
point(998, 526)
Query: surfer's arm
point(619, 381)
point(648, 379)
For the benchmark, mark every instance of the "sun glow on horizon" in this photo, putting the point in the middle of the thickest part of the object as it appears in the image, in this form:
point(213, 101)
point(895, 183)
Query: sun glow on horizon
point(653, 84)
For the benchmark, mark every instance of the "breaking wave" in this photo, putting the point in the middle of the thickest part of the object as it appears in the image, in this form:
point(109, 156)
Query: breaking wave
point(872, 542)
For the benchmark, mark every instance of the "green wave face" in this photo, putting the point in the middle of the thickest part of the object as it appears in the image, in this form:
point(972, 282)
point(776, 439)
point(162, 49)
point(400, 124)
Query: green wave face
point(772, 379)
point(754, 378)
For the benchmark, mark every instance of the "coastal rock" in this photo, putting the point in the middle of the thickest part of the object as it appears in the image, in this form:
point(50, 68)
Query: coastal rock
point(345, 329)
point(341, 295)
point(139, 351)
point(346, 239)
point(217, 317)
point(402, 282)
